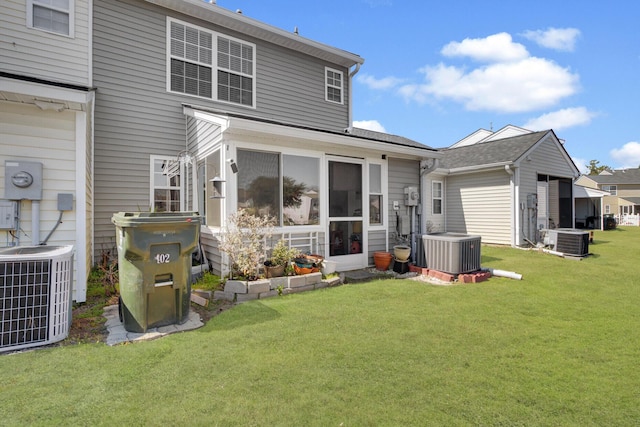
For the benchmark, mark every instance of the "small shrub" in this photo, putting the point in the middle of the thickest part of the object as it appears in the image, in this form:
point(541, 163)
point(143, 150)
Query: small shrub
point(244, 241)
point(108, 267)
point(281, 253)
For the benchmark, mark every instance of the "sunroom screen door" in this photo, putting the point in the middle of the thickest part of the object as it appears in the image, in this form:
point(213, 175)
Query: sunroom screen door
point(346, 220)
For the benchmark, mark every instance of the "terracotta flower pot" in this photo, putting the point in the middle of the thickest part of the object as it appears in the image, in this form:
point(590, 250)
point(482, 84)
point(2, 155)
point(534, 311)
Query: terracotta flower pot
point(382, 260)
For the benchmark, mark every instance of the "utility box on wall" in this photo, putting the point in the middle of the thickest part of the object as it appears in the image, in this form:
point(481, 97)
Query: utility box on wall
point(8, 215)
point(411, 196)
point(22, 180)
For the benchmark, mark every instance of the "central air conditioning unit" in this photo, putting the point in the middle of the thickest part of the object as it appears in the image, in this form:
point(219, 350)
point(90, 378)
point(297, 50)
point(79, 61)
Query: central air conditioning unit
point(453, 253)
point(568, 241)
point(35, 295)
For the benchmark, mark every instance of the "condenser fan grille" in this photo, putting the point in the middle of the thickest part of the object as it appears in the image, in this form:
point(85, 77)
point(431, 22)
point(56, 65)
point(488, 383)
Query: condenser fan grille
point(24, 302)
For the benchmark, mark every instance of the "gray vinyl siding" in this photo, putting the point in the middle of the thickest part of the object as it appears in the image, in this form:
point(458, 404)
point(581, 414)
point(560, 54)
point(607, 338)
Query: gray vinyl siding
point(545, 158)
point(136, 117)
point(377, 242)
point(480, 204)
point(201, 135)
point(35, 53)
point(402, 173)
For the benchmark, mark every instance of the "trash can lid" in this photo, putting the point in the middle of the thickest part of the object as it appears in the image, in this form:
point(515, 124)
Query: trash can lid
point(132, 219)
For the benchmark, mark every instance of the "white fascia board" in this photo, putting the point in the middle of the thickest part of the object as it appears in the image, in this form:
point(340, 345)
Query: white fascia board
point(44, 91)
point(239, 126)
point(218, 15)
point(220, 120)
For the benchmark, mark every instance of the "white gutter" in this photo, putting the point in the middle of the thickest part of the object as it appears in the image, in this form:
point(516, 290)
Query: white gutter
point(238, 126)
point(477, 168)
point(241, 23)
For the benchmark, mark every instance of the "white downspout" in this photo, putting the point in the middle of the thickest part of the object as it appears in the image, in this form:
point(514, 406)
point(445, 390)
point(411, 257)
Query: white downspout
point(515, 205)
point(426, 167)
point(350, 107)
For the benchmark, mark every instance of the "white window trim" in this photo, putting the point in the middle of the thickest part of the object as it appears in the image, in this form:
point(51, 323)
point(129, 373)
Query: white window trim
point(152, 187)
point(70, 12)
point(607, 209)
point(233, 200)
point(327, 86)
point(384, 179)
point(441, 198)
point(214, 63)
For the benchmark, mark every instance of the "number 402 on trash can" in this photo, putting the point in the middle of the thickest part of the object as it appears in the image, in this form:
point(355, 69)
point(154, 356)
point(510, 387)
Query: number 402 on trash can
point(163, 258)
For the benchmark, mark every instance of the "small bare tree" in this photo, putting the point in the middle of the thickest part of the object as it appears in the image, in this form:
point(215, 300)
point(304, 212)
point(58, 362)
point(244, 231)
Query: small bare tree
point(244, 242)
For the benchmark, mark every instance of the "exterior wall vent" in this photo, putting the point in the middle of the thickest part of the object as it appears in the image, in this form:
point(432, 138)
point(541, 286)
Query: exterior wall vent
point(35, 295)
point(452, 253)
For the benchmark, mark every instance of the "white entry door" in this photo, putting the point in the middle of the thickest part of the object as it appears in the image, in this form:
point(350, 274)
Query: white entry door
point(346, 217)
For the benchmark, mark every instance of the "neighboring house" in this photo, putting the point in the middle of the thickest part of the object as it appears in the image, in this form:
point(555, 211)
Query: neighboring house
point(589, 204)
point(202, 109)
point(504, 186)
point(623, 186)
point(46, 111)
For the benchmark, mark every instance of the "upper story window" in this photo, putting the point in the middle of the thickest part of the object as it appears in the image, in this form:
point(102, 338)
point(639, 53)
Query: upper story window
point(55, 16)
point(334, 85)
point(613, 189)
point(206, 64)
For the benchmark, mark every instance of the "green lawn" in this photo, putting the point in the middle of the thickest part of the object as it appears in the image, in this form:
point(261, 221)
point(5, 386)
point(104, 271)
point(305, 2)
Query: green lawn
point(561, 347)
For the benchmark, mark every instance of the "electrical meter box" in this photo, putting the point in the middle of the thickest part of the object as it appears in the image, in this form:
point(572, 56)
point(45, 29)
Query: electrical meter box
point(22, 180)
point(411, 196)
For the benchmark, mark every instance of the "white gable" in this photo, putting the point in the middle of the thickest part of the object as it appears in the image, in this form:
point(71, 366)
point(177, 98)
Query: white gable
point(474, 138)
point(483, 135)
point(507, 132)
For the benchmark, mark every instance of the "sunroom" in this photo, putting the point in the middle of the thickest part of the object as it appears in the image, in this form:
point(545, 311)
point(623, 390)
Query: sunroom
point(339, 195)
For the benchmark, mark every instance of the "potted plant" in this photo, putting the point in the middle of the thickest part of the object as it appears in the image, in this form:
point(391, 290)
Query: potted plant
point(281, 255)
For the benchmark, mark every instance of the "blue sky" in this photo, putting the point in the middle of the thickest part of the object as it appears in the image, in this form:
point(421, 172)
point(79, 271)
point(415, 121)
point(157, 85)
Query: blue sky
point(437, 71)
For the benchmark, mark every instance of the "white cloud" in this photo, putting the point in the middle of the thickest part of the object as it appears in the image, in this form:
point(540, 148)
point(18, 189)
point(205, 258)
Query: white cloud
point(581, 164)
point(561, 119)
point(373, 125)
point(563, 39)
point(628, 156)
point(495, 48)
point(373, 83)
point(516, 86)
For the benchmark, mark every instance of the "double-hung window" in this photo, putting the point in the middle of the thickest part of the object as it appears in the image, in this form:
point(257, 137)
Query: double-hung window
point(436, 197)
point(235, 71)
point(165, 184)
point(55, 16)
point(376, 202)
point(334, 85)
point(613, 189)
point(210, 65)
